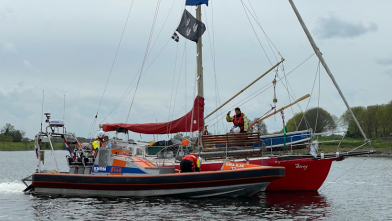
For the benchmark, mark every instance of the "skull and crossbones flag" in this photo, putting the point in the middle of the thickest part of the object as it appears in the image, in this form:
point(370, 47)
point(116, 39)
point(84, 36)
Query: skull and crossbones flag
point(190, 27)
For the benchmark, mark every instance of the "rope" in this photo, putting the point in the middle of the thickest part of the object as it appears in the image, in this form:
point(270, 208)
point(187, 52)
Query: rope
point(318, 100)
point(174, 77)
point(212, 49)
point(145, 56)
point(111, 68)
point(178, 83)
point(262, 88)
point(255, 32)
point(265, 34)
point(314, 83)
point(344, 174)
point(126, 92)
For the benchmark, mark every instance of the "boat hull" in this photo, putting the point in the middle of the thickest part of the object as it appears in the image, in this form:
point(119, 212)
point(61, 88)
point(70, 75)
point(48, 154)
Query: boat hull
point(230, 183)
point(303, 174)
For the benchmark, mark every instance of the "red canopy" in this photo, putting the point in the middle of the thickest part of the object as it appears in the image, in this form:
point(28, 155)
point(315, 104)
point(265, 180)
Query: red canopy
point(190, 122)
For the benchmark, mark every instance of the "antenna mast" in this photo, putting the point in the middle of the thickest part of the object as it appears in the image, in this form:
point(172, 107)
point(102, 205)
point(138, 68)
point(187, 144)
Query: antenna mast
point(320, 56)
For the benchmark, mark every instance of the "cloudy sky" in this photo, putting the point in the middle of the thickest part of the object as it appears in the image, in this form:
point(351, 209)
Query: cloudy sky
point(68, 48)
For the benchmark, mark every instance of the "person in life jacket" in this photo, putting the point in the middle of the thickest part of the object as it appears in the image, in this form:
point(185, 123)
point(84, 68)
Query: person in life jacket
point(239, 119)
point(190, 163)
point(98, 141)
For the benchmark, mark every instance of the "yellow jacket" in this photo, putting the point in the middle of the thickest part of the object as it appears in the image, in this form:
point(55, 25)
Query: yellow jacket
point(244, 119)
point(97, 143)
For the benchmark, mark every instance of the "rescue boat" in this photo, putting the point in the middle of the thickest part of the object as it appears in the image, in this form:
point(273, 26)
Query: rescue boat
point(118, 174)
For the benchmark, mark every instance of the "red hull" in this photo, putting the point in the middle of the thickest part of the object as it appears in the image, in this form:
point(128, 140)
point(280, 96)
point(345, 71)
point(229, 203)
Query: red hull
point(303, 174)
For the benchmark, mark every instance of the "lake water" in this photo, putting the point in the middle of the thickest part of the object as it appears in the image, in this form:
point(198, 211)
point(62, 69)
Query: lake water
point(363, 193)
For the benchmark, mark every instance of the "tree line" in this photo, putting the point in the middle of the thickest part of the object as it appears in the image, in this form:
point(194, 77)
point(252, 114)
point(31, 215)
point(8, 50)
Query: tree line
point(375, 120)
point(10, 134)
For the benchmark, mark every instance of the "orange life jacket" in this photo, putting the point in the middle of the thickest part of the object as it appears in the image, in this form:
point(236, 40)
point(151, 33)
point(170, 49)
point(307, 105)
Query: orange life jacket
point(193, 158)
point(239, 121)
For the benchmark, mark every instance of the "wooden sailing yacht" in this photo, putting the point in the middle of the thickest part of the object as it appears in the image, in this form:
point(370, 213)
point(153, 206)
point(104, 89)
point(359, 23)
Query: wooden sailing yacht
point(303, 172)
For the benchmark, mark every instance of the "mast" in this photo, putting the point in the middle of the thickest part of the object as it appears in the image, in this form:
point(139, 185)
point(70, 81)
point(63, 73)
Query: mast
point(200, 89)
point(320, 56)
point(199, 46)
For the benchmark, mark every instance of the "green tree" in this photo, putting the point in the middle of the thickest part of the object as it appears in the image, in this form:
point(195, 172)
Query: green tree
point(346, 121)
point(5, 138)
point(370, 120)
point(382, 117)
point(7, 129)
point(316, 118)
point(260, 127)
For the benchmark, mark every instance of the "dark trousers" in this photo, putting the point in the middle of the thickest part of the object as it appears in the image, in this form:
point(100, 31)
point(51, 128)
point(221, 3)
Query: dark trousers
point(186, 166)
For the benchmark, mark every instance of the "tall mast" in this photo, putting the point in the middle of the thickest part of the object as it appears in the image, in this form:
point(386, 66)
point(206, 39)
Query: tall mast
point(200, 90)
point(320, 56)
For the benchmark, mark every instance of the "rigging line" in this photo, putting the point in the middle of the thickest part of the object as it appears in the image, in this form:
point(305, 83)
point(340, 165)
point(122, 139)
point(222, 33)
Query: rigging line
point(276, 81)
point(280, 79)
point(318, 100)
point(265, 34)
point(126, 92)
point(178, 83)
point(288, 94)
point(156, 39)
point(145, 56)
point(311, 93)
point(42, 112)
point(115, 56)
point(174, 77)
point(185, 87)
point(344, 174)
point(255, 33)
point(217, 100)
point(121, 98)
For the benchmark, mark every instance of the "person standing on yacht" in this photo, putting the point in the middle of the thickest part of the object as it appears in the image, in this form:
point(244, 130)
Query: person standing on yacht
point(239, 119)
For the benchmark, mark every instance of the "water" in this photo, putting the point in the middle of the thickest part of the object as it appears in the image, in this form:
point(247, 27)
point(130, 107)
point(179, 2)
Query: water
point(364, 193)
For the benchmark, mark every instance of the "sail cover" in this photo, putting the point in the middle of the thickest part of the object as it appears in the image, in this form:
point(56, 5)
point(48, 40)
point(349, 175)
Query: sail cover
point(192, 121)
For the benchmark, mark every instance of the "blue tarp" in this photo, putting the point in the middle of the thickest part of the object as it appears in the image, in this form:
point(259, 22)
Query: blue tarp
point(196, 2)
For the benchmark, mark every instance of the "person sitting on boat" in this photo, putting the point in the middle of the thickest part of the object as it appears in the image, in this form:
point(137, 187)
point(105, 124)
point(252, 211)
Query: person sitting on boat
point(98, 141)
point(190, 163)
point(239, 119)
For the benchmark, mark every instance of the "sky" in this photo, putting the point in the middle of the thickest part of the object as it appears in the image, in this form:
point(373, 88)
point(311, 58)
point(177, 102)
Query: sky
point(90, 53)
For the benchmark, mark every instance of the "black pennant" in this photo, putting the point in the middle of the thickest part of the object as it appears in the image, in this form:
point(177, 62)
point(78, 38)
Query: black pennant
point(190, 27)
point(175, 37)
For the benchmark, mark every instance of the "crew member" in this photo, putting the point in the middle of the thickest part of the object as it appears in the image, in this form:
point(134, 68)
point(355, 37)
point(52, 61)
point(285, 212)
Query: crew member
point(190, 163)
point(239, 119)
point(98, 141)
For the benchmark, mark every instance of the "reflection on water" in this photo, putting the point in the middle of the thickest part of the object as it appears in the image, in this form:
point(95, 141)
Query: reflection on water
point(305, 205)
point(362, 194)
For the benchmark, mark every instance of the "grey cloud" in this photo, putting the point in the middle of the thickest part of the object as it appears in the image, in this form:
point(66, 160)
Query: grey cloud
point(384, 61)
point(7, 46)
point(335, 27)
point(4, 13)
point(389, 72)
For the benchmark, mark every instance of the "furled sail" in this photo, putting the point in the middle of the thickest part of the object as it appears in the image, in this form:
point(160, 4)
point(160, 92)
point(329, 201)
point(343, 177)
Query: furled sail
point(192, 121)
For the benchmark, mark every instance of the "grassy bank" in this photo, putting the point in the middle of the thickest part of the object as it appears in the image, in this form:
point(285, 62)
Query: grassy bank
point(329, 144)
point(17, 146)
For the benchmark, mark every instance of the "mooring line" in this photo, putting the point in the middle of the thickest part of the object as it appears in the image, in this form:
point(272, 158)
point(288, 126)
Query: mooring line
point(344, 174)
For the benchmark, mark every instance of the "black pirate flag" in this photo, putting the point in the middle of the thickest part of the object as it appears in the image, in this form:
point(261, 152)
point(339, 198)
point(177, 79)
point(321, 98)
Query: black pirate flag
point(190, 27)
